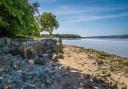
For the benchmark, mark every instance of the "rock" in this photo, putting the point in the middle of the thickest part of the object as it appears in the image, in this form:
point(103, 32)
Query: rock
point(30, 86)
point(5, 60)
point(29, 76)
point(32, 69)
point(6, 85)
point(4, 50)
point(31, 61)
point(39, 62)
point(1, 82)
point(1, 69)
point(42, 48)
point(5, 41)
point(55, 56)
point(23, 63)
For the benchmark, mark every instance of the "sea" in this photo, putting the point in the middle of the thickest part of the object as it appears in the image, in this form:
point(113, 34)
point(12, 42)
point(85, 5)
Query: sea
point(115, 46)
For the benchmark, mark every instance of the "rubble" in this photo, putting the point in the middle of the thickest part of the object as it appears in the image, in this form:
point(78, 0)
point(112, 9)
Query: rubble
point(44, 48)
point(35, 72)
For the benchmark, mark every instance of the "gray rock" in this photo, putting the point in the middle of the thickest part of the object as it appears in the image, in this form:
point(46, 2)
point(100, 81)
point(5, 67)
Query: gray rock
point(16, 71)
point(1, 82)
point(30, 86)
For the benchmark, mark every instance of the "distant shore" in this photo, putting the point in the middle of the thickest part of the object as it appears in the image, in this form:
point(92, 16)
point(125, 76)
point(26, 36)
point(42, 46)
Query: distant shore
point(111, 36)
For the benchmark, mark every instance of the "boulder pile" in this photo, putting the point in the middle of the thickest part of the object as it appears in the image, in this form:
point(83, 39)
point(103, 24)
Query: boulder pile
point(45, 48)
point(19, 74)
point(31, 67)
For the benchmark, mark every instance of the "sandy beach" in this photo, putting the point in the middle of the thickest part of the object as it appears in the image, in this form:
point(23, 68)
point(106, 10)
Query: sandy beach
point(93, 69)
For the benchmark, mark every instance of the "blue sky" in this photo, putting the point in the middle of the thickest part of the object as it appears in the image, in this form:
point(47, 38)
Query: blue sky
point(88, 17)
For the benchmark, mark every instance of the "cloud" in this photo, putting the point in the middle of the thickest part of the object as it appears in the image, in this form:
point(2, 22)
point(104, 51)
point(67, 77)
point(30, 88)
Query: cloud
point(74, 14)
point(70, 10)
point(93, 18)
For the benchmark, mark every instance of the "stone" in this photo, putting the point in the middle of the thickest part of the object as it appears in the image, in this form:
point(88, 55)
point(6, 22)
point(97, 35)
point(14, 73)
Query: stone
point(30, 86)
point(5, 41)
point(39, 48)
point(39, 61)
point(55, 56)
point(1, 82)
point(38, 72)
point(31, 61)
point(23, 63)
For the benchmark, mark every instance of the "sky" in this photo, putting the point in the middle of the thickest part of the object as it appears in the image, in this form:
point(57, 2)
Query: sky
point(88, 17)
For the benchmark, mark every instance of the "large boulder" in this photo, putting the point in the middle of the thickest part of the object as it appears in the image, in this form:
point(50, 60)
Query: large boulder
point(43, 47)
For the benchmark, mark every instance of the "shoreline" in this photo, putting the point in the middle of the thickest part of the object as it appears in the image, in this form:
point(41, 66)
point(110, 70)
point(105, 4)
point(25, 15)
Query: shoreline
point(99, 51)
point(110, 68)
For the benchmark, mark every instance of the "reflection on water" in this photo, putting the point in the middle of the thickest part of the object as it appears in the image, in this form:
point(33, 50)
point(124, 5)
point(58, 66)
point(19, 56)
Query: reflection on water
point(112, 46)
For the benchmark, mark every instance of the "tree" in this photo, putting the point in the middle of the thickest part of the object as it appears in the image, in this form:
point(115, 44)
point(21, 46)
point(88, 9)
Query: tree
point(48, 22)
point(16, 18)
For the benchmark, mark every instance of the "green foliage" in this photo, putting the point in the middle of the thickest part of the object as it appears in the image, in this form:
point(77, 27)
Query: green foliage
point(48, 22)
point(16, 16)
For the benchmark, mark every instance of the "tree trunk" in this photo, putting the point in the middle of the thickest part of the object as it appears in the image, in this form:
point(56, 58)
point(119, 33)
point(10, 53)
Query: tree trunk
point(50, 33)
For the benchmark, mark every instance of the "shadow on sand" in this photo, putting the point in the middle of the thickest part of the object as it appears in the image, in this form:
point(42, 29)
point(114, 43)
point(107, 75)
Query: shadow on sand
point(73, 79)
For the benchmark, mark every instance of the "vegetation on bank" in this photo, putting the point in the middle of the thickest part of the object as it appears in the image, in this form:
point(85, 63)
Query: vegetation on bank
point(62, 35)
point(17, 18)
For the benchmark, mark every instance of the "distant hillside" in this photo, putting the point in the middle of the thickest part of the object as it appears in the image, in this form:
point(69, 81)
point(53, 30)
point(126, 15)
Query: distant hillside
point(113, 36)
point(62, 35)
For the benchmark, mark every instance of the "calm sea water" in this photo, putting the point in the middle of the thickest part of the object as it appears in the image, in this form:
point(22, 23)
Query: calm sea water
point(111, 46)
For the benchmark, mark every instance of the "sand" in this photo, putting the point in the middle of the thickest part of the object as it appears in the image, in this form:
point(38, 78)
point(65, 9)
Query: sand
point(85, 73)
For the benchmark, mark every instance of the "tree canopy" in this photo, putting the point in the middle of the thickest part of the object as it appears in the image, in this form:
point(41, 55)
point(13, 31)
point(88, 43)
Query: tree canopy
point(48, 22)
point(16, 18)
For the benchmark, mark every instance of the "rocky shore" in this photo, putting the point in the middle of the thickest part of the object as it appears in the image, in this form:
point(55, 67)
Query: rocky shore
point(31, 66)
point(105, 71)
point(79, 69)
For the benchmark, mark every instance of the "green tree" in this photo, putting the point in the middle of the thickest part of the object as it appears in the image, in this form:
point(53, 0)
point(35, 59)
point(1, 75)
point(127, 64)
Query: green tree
point(16, 18)
point(48, 22)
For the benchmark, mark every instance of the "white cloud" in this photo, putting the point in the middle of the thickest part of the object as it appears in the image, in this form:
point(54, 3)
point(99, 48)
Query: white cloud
point(71, 14)
point(93, 18)
point(75, 14)
point(70, 10)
